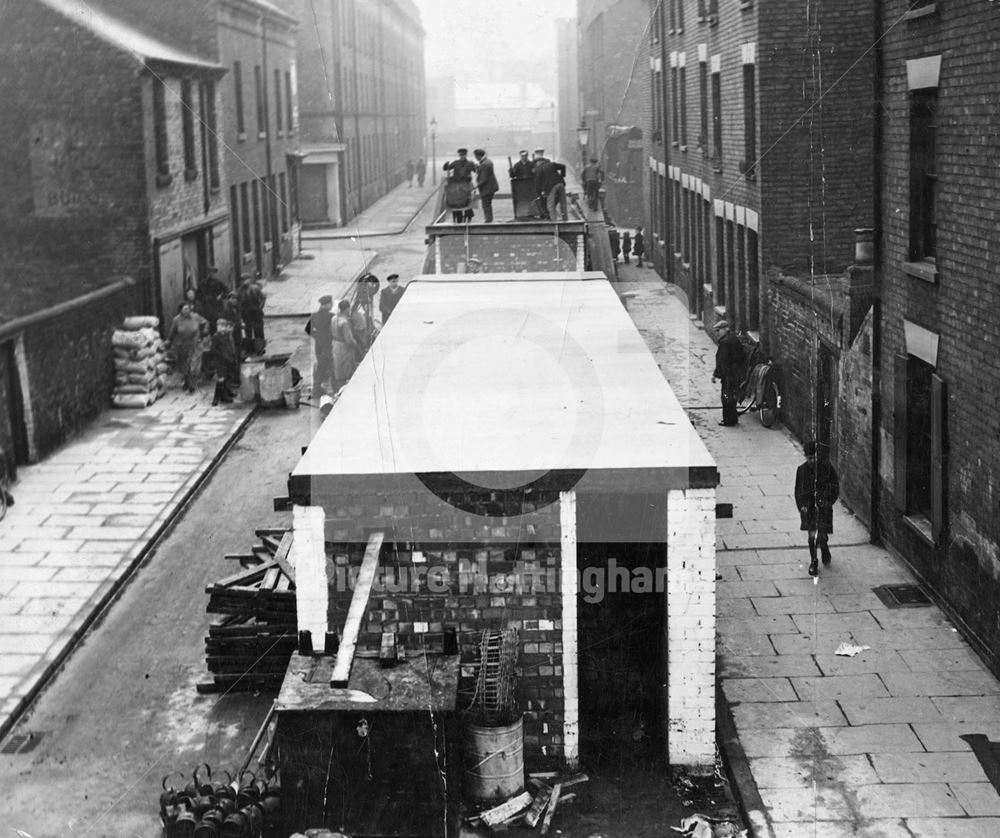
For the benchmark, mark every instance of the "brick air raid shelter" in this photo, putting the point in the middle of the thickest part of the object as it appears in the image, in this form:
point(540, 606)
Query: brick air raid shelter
point(508, 437)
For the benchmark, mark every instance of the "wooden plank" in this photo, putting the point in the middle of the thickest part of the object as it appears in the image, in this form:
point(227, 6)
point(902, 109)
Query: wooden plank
point(356, 613)
point(243, 578)
point(281, 556)
point(505, 810)
point(553, 802)
point(537, 808)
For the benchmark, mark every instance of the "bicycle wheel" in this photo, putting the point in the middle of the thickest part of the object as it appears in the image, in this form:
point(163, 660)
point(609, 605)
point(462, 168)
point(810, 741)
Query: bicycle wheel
point(745, 399)
point(771, 405)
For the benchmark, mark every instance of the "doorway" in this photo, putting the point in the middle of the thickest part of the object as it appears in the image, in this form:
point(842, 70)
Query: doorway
point(13, 429)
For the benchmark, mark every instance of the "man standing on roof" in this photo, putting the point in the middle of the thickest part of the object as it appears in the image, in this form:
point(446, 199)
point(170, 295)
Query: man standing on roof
point(523, 168)
point(486, 183)
point(458, 193)
point(550, 178)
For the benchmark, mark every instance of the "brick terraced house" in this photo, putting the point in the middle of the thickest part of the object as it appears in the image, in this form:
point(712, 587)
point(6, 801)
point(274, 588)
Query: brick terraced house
point(937, 442)
point(761, 174)
point(361, 79)
point(106, 173)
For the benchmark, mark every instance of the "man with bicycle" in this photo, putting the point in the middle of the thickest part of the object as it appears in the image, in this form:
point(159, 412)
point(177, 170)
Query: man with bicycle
point(729, 366)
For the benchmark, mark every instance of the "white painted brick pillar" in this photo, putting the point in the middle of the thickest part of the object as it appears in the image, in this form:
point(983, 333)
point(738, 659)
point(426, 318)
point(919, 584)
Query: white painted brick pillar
point(568, 590)
point(691, 628)
point(308, 557)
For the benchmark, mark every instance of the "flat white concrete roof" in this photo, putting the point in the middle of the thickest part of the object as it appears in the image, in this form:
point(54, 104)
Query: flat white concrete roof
point(506, 374)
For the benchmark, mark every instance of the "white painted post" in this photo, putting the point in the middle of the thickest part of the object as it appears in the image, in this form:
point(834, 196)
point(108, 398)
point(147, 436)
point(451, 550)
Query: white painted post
point(690, 632)
point(308, 557)
point(568, 588)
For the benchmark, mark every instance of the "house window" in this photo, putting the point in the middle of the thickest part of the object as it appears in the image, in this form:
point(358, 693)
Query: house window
point(673, 15)
point(241, 127)
point(923, 177)
point(703, 102)
point(674, 106)
point(212, 132)
point(749, 167)
point(731, 271)
point(682, 81)
point(160, 132)
point(680, 15)
point(279, 115)
point(258, 78)
point(245, 219)
point(720, 260)
point(283, 200)
point(919, 444)
point(187, 125)
point(753, 282)
point(713, 10)
point(234, 221)
point(717, 120)
point(289, 104)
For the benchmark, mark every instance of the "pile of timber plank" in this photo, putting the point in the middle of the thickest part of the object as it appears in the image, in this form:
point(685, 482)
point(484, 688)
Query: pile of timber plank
point(248, 649)
point(534, 810)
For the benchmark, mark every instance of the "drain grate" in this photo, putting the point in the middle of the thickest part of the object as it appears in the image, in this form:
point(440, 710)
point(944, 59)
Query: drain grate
point(902, 596)
point(21, 743)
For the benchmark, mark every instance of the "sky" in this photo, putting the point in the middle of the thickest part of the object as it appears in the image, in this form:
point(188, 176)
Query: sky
point(478, 39)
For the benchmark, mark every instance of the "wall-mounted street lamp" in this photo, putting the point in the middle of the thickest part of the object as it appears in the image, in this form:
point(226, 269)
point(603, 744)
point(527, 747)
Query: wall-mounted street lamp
point(434, 168)
point(583, 137)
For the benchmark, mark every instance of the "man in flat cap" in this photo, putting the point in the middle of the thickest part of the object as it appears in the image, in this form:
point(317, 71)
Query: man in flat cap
point(486, 183)
point(389, 297)
point(523, 168)
point(458, 190)
point(729, 363)
point(319, 326)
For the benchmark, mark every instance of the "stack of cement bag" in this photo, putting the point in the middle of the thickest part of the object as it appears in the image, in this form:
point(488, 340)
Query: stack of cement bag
point(140, 366)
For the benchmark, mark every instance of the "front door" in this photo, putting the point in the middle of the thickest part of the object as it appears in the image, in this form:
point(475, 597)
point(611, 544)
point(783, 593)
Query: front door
point(171, 269)
point(312, 199)
point(13, 430)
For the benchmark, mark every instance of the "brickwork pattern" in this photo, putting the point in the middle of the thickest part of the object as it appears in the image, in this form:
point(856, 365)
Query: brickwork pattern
point(485, 561)
point(960, 307)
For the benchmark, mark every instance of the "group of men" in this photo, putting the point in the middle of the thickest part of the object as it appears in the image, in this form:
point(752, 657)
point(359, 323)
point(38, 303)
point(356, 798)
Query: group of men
point(549, 180)
point(340, 340)
point(460, 174)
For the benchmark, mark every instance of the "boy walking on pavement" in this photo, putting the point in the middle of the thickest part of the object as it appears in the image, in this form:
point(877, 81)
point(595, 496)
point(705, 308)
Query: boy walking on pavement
point(817, 488)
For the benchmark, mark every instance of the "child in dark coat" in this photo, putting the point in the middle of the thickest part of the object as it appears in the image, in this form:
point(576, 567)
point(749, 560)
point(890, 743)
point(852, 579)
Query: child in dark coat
point(224, 361)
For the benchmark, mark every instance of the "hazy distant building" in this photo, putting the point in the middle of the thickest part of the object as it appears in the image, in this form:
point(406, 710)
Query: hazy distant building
point(257, 43)
point(614, 101)
point(361, 93)
point(568, 98)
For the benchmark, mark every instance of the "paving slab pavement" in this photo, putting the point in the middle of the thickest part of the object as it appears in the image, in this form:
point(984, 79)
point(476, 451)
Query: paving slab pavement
point(834, 746)
point(85, 517)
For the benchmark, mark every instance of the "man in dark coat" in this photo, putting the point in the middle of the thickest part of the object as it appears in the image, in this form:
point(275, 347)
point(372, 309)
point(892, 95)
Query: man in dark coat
point(389, 297)
point(817, 488)
point(486, 183)
point(251, 303)
point(460, 177)
point(320, 329)
point(729, 363)
point(550, 180)
point(638, 246)
point(523, 168)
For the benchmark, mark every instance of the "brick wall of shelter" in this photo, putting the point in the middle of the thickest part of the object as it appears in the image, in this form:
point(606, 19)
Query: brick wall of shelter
point(468, 579)
point(960, 307)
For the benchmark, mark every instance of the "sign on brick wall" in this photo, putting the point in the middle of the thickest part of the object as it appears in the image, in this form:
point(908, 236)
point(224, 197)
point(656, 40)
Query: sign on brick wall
point(62, 158)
